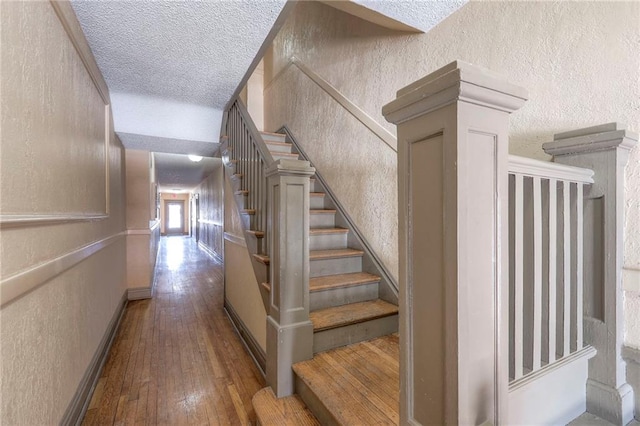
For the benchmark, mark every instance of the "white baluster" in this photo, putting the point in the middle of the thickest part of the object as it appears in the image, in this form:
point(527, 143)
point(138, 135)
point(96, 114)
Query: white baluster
point(519, 274)
point(537, 273)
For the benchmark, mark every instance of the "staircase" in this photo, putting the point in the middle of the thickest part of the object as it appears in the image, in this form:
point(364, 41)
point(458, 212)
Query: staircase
point(345, 309)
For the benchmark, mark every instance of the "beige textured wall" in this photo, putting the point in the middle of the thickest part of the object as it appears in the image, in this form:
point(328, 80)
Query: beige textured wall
point(211, 218)
point(52, 161)
point(143, 230)
point(579, 61)
point(240, 285)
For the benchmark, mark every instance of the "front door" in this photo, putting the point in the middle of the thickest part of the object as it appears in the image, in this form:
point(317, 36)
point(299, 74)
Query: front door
point(174, 217)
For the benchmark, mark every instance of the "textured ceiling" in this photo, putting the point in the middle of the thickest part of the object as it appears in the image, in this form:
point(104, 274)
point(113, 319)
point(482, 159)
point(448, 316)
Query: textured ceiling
point(420, 14)
point(190, 51)
point(178, 172)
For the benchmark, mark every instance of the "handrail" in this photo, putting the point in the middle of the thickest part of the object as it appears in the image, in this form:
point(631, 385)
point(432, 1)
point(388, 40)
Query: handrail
point(383, 134)
point(255, 133)
point(546, 169)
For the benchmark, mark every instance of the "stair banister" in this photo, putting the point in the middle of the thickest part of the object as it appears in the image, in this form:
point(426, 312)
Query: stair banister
point(452, 194)
point(605, 150)
point(277, 196)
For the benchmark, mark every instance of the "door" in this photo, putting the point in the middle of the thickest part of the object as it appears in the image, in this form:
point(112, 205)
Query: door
point(174, 217)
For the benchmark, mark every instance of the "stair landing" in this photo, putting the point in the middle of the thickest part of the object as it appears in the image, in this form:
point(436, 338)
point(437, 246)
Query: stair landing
point(353, 385)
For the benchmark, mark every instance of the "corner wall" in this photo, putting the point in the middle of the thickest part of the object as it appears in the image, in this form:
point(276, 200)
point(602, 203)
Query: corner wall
point(579, 61)
point(62, 239)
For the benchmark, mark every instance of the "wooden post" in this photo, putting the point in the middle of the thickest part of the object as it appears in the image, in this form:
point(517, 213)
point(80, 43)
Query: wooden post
point(605, 150)
point(289, 330)
point(452, 193)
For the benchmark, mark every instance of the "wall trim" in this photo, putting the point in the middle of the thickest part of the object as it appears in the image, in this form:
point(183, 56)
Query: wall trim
point(25, 220)
point(80, 402)
point(21, 283)
point(139, 293)
point(259, 356)
point(235, 239)
point(631, 280)
point(383, 134)
point(209, 251)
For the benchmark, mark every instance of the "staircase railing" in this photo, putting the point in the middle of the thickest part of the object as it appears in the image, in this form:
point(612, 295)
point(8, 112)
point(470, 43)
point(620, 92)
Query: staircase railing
point(546, 217)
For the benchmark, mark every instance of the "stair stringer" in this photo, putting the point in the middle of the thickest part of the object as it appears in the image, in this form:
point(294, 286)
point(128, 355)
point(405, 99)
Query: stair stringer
point(388, 287)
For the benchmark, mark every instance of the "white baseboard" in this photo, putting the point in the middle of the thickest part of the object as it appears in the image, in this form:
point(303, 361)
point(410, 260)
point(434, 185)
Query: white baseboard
point(78, 407)
point(632, 356)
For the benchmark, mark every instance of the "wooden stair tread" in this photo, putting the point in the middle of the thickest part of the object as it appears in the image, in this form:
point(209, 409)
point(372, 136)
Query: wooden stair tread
point(273, 134)
point(316, 194)
point(242, 192)
point(322, 211)
point(341, 280)
point(320, 231)
point(358, 384)
point(285, 154)
point(248, 211)
point(277, 143)
point(288, 411)
point(353, 313)
point(267, 286)
point(262, 258)
point(257, 234)
point(334, 253)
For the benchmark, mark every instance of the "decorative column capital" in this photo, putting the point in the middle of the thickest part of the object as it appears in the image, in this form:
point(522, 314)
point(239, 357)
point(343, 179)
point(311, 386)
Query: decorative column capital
point(457, 82)
point(604, 137)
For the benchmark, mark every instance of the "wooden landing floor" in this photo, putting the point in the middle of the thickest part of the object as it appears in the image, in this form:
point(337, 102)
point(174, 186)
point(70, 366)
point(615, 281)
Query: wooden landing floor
point(176, 358)
point(358, 384)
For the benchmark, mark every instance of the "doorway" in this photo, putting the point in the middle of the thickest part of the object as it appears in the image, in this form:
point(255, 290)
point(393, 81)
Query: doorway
point(174, 217)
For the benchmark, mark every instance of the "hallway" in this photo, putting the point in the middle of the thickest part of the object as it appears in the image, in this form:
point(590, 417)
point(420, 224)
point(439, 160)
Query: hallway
point(176, 358)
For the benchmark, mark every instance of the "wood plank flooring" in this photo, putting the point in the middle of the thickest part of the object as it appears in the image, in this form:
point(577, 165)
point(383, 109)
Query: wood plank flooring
point(176, 358)
point(356, 384)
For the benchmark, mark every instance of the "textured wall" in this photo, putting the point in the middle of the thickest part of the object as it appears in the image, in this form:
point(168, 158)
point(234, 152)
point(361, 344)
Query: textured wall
point(579, 61)
point(51, 150)
point(211, 210)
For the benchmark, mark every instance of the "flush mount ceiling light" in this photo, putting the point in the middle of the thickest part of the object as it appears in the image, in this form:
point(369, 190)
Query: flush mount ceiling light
point(195, 158)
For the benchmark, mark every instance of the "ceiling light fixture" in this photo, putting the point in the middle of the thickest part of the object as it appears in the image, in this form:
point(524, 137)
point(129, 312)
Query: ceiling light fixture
point(195, 158)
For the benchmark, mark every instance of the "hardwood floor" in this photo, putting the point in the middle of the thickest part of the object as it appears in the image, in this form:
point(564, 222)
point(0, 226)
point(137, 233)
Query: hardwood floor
point(176, 358)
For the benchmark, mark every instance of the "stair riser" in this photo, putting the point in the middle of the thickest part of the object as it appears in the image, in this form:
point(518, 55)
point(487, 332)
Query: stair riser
point(314, 403)
point(327, 241)
point(314, 186)
point(341, 265)
point(279, 148)
point(316, 202)
point(274, 138)
point(354, 333)
point(278, 156)
point(342, 296)
point(324, 220)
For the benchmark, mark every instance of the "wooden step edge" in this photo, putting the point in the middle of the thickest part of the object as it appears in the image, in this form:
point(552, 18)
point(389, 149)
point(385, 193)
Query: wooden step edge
point(316, 194)
point(284, 154)
point(262, 258)
point(322, 211)
point(257, 234)
point(237, 175)
point(273, 134)
point(287, 411)
point(334, 254)
point(242, 192)
point(322, 231)
point(266, 286)
point(380, 310)
point(250, 212)
point(277, 143)
point(341, 281)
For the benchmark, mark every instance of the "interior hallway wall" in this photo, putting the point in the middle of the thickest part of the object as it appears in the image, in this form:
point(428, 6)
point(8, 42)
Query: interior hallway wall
point(143, 227)
point(62, 240)
point(579, 61)
point(211, 220)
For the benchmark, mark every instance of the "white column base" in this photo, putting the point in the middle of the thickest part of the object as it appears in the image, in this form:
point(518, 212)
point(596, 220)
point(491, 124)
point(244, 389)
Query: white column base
point(611, 404)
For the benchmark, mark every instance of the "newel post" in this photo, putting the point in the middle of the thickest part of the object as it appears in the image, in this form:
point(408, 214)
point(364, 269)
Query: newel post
point(452, 193)
point(289, 330)
point(605, 150)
